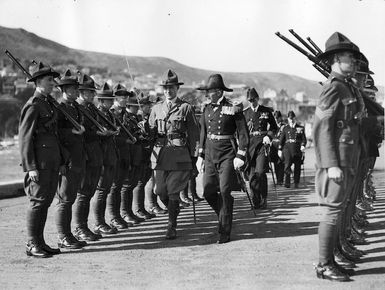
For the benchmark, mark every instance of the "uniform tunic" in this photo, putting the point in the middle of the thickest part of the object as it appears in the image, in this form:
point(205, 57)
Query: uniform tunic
point(176, 137)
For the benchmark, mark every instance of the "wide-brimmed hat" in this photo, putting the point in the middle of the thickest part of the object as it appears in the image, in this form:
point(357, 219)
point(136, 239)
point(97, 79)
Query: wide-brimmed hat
point(86, 83)
point(68, 79)
point(170, 79)
point(338, 42)
point(363, 65)
point(252, 94)
point(132, 101)
point(291, 114)
point(277, 114)
point(369, 85)
point(40, 70)
point(120, 91)
point(215, 82)
point(105, 92)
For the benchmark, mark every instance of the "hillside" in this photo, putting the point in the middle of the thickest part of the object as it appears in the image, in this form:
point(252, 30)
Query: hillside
point(28, 46)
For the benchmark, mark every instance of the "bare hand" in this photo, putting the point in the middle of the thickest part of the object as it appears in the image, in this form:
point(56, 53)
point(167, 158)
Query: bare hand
point(280, 154)
point(78, 132)
point(266, 140)
point(336, 174)
point(34, 175)
point(238, 163)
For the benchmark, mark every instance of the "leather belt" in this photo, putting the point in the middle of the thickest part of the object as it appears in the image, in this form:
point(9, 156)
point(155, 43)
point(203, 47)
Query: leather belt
point(219, 137)
point(258, 133)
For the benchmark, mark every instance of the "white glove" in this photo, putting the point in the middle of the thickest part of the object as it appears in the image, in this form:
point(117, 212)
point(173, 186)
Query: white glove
point(78, 132)
point(200, 165)
point(238, 163)
point(34, 175)
point(302, 148)
point(266, 140)
point(280, 154)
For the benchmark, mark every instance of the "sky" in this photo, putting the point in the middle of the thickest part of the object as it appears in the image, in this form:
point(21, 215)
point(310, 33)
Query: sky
point(220, 35)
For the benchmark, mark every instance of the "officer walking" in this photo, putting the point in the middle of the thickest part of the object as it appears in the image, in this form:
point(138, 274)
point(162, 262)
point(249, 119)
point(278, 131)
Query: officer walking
point(40, 157)
point(220, 121)
point(177, 135)
point(292, 142)
point(336, 140)
point(73, 142)
point(262, 127)
point(278, 162)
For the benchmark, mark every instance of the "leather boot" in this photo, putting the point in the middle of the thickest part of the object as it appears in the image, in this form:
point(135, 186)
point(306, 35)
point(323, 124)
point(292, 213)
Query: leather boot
point(173, 212)
point(35, 250)
point(287, 180)
point(331, 272)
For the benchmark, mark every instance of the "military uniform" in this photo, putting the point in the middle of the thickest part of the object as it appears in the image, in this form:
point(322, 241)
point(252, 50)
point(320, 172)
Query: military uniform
point(40, 151)
point(279, 166)
point(219, 123)
point(260, 123)
point(110, 160)
point(290, 142)
point(176, 135)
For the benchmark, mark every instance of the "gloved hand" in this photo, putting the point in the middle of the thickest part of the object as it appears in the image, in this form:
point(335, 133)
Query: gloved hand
point(200, 164)
point(34, 175)
point(336, 174)
point(302, 148)
point(266, 140)
point(280, 154)
point(238, 163)
point(78, 132)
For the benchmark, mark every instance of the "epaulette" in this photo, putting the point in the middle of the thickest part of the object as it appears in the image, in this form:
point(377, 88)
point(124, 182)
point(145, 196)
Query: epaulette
point(232, 108)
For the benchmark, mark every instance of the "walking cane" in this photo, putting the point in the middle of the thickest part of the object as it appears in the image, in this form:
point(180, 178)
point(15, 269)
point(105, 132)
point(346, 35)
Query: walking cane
point(195, 219)
point(303, 168)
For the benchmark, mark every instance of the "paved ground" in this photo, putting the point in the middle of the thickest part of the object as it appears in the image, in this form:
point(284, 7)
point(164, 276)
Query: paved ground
point(274, 250)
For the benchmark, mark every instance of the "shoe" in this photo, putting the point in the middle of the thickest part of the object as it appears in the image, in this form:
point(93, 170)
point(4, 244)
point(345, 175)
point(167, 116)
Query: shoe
point(119, 223)
point(35, 250)
point(343, 270)
point(130, 220)
point(197, 198)
point(186, 199)
point(157, 210)
point(183, 204)
point(223, 239)
point(85, 234)
point(331, 272)
point(67, 242)
point(263, 204)
point(342, 261)
point(171, 233)
point(296, 185)
point(143, 214)
point(105, 229)
point(49, 250)
point(287, 185)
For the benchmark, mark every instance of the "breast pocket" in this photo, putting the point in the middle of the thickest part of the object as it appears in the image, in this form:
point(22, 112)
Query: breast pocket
point(177, 123)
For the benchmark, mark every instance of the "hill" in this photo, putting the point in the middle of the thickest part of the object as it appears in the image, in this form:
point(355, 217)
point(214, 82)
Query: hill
point(26, 45)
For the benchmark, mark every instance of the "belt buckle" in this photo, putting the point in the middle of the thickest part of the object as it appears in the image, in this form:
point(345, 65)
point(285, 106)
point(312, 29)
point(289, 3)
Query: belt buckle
point(340, 124)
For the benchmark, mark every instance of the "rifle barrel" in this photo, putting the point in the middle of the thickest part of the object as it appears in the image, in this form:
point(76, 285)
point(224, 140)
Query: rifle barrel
point(303, 42)
point(130, 136)
point(321, 70)
point(314, 45)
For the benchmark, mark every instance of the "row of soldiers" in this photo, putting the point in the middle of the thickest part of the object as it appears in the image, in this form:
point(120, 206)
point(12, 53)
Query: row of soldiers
point(348, 129)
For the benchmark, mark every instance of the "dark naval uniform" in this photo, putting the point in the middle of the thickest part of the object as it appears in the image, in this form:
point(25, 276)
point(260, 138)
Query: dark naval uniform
point(69, 183)
point(261, 123)
point(279, 166)
point(219, 124)
point(290, 141)
point(40, 150)
point(336, 140)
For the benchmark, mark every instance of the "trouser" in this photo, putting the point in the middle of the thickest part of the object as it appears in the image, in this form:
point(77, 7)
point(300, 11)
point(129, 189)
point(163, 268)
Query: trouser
point(191, 188)
point(114, 197)
point(257, 176)
point(69, 185)
point(220, 177)
point(333, 198)
point(144, 174)
point(102, 192)
point(168, 184)
point(289, 159)
point(150, 196)
point(127, 191)
point(81, 207)
point(40, 194)
point(279, 168)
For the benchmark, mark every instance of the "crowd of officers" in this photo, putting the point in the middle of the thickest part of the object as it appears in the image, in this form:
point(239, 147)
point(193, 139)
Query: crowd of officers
point(117, 158)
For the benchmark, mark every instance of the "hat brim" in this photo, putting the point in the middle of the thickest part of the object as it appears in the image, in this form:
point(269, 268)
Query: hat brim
point(43, 74)
point(170, 84)
point(85, 88)
point(206, 88)
point(327, 54)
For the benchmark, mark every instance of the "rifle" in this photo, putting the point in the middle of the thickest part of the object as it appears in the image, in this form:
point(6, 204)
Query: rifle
point(314, 45)
point(130, 136)
point(89, 117)
point(303, 42)
point(51, 100)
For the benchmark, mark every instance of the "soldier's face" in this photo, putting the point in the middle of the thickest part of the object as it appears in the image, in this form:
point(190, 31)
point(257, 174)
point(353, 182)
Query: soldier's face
point(146, 109)
point(87, 96)
point(106, 103)
point(133, 109)
point(214, 95)
point(291, 121)
point(121, 101)
point(46, 84)
point(170, 92)
point(71, 92)
point(347, 62)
